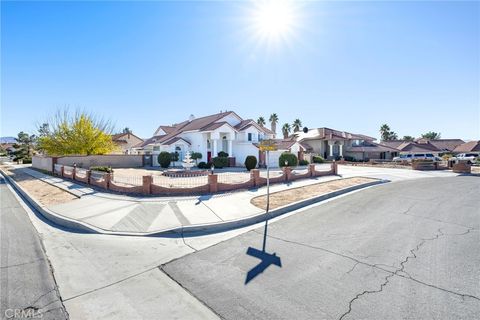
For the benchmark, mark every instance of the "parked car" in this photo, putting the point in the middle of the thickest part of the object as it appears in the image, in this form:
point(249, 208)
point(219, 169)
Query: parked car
point(410, 157)
point(470, 157)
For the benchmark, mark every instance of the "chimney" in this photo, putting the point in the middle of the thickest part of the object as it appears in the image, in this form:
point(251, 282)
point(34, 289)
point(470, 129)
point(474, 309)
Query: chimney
point(191, 118)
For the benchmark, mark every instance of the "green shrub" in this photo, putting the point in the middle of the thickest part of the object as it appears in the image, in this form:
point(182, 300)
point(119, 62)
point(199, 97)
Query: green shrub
point(102, 168)
point(290, 158)
point(223, 154)
point(27, 160)
point(173, 157)
point(220, 162)
point(318, 159)
point(196, 155)
point(303, 162)
point(202, 165)
point(164, 159)
point(348, 158)
point(250, 162)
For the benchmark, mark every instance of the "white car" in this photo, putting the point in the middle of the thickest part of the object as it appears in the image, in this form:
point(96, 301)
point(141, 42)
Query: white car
point(410, 157)
point(470, 157)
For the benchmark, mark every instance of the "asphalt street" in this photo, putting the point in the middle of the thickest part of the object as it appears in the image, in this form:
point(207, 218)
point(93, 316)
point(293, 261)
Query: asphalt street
point(403, 250)
point(28, 289)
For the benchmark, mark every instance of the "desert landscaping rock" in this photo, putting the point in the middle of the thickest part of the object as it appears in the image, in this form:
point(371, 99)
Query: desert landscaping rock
point(283, 198)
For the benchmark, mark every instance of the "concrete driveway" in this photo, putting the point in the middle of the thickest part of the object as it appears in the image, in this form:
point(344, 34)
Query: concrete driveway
point(405, 250)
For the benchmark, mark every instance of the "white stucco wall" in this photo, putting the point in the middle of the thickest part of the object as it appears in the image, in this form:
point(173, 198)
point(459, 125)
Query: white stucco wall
point(242, 150)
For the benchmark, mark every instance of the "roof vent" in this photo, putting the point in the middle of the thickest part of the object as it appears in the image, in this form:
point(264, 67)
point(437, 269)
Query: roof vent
point(191, 118)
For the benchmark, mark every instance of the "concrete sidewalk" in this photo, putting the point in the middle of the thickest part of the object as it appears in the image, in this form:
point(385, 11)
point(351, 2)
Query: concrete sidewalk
point(119, 214)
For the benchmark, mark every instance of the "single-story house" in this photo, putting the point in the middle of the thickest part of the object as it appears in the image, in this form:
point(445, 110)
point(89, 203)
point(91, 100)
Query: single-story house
point(444, 145)
point(335, 144)
point(422, 145)
point(224, 131)
point(282, 145)
point(126, 142)
point(470, 147)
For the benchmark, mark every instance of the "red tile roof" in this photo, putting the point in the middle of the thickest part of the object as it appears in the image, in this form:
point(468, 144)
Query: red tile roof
point(471, 146)
point(371, 147)
point(206, 123)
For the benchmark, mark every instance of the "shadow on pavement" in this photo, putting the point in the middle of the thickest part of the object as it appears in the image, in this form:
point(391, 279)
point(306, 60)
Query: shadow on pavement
point(266, 259)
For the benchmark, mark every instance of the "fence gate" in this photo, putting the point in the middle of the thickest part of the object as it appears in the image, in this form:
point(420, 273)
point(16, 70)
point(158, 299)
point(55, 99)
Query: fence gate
point(147, 160)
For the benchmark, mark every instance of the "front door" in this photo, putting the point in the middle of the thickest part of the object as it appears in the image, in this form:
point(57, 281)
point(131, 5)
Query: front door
point(209, 156)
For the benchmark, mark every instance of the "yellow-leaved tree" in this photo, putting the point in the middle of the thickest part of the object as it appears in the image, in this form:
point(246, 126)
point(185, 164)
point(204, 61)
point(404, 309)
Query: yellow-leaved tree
point(78, 134)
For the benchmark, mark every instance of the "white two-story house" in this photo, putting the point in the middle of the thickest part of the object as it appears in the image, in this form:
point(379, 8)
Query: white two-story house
point(224, 131)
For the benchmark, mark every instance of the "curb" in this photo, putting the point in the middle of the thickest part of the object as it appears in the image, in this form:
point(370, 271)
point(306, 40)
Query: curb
point(244, 222)
point(49, 215)
point(198, 228)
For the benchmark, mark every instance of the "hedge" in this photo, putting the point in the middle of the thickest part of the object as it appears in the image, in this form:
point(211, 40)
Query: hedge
point(250, 162)
point(220, 162)
point(164, 159)
point(318, 159)
point(291, 159)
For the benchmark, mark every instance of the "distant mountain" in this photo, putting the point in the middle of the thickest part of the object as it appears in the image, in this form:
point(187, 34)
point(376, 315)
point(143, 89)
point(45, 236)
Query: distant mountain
point(7, 140)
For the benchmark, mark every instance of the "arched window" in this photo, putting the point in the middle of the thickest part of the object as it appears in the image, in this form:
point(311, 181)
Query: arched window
point(208, 144)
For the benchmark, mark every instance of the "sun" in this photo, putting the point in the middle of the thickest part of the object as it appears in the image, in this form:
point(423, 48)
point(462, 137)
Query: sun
point(274, 19)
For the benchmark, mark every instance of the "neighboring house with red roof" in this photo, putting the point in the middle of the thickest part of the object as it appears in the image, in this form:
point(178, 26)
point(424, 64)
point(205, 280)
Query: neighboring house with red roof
point(224, 131)
point(422, 145)
point(333, 144)
point(471, 146)
point(126, 142)
point(283, 145)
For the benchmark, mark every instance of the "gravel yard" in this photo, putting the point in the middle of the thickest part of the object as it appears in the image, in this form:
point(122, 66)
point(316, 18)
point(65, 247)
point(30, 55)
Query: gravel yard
point(282, 198)
point(45, 193)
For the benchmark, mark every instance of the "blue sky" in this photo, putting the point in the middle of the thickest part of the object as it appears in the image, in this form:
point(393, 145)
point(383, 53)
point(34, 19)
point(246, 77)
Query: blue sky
point(347, 65)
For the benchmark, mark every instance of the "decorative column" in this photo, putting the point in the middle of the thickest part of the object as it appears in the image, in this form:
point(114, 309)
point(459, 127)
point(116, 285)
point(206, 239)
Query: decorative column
point(214, 148)
point(230, 150)
point(341, 149)
point(330, 146)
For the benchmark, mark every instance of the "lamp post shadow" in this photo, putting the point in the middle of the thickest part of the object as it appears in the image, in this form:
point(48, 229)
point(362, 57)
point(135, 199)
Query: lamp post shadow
point(266, 259)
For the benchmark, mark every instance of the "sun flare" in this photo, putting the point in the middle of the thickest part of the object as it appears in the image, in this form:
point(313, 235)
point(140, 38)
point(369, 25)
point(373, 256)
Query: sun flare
point(274, 19)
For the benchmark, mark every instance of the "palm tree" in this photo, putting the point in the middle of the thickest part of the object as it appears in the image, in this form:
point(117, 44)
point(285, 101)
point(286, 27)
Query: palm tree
point(261, 121)
point(296, 125)
point(431, 135)
point(273, 122)
point(286, 130)
point(385, 132)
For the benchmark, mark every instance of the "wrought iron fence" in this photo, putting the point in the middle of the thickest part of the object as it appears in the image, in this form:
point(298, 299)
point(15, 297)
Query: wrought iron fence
point(68, 170)
point(233, 177)
point(273, 173)
point(81, 172)
point(128, 180)
point(97, 175)
point(299, 171)
point(58, 168)
point(180, 181)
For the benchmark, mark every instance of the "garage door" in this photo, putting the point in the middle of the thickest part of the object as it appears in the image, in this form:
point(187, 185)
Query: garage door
point(273, 159)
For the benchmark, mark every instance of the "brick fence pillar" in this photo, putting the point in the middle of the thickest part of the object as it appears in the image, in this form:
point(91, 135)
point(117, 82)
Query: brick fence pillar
point(311, 169)
point(213, 182)
point(54, 162)
point(255, 176)
point(287, 172)
point(334, 168)
point(108, 178)
point(62, 169)
point(89, 174)
point(147, 184)
point(462, 167)
point(74, 171)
